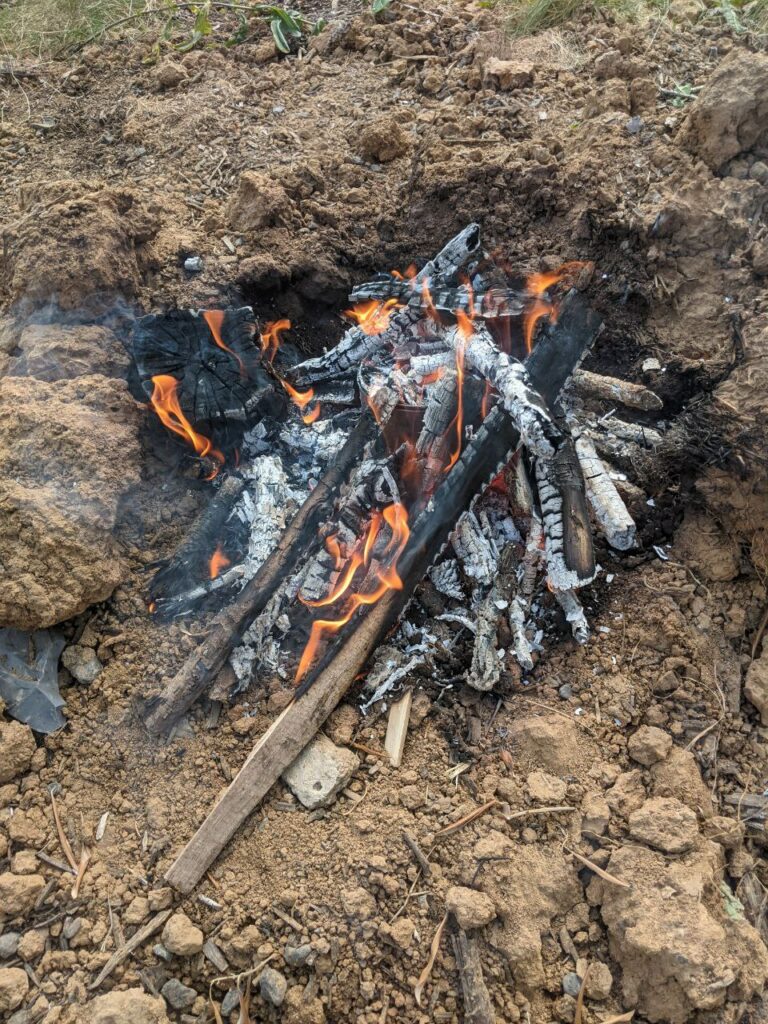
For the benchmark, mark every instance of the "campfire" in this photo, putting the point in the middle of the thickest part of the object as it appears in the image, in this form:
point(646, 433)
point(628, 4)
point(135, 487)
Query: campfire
point(430, 476)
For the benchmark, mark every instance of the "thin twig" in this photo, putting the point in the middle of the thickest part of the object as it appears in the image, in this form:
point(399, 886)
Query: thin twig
point(466, 820)
point(598, 870)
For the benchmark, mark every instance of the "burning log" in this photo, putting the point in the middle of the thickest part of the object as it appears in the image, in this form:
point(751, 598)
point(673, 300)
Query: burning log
point(224, 632)
point(553, 359)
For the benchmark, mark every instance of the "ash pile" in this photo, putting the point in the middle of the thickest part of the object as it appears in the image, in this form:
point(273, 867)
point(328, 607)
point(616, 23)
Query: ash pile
point(433, 481)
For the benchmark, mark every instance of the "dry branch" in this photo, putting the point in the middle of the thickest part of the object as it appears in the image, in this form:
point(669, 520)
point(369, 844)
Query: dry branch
point(149, 929)
point(478, 1008)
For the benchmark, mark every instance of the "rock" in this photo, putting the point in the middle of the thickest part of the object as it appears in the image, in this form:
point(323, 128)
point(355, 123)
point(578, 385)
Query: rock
point(17, 745)
point(320, 771)
point(131, 1006)
point(9, 943)
point(358, 903)
point(729, 115)
point(599, 981)
point(194, 265)
point(81, 663)
point(550, 742)
point(756, 685)
point(472, 909)
point(54, 352)
point(647, 745)
point(507, 75)
point(571, 984)
point(18, 893)
point(626, 794)
point(297, 956)
point(273, 986)
point(677, 953)
point(182, 937)
point(68, 452)
point(383, 140)
point(666, 824)
point(400, 933)
point(259, 202)
point(230, 1001)
point(160, 899)
point(596, 814)
point(25, 862)
point(14, 985)
point(546, 789)
point(178, 996)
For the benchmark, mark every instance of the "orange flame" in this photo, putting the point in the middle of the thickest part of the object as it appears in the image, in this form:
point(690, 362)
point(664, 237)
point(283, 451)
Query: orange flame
point(396, 518)
point(218, 562)
point(426, 295)
point(271, 338)
point(165, 402)
point(312, 415)
point(373, 316)
point(485, 405)
point(215, 320)
point(536, 286)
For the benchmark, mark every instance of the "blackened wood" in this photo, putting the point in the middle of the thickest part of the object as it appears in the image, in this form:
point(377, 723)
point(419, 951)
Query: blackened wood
point(185, 566)
point(225, 631)
point(478, 1008)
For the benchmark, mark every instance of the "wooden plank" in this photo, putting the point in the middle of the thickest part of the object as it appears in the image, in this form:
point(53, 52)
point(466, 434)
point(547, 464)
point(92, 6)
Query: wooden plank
point(397, 728)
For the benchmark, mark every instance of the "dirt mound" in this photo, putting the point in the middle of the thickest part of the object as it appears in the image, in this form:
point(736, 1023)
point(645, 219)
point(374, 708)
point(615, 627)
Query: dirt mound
point(54, 352)
point(68, 451)
point(730, 114)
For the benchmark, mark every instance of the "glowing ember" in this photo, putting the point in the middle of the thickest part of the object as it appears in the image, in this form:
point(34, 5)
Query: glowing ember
point(218, 562)
point(165, 402)
point(271, 337)
point(215, 320)
point(396, 518)
point(373, 317)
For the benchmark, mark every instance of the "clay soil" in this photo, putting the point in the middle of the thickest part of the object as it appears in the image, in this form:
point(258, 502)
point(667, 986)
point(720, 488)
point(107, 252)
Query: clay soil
point(293, 178)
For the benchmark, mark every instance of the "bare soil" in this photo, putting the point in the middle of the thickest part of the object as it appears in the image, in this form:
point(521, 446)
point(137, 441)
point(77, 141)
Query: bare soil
point(292, 179)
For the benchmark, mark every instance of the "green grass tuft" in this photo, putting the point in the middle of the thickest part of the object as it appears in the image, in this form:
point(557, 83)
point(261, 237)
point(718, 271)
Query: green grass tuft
point(43, 27)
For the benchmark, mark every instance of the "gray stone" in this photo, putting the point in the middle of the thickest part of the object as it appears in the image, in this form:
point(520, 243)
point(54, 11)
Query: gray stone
point(230, 1001)
point(71, 927)
point(319, 772)
point(9, 943)
point(193, 264)
point(566, 691)
point(82, 663)
point(297, 956)
point(160, 951)
point(273, 986)
point(177, 995)
point(759, 172)
point(634, 124)
point(571, 984)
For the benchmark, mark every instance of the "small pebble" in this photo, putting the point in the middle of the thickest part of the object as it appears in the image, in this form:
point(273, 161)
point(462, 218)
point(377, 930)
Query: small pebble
point(566, 691)
point(571, 984)
point(177, 995)
point(634, 124)
point(193, 264)
point(229, 1002)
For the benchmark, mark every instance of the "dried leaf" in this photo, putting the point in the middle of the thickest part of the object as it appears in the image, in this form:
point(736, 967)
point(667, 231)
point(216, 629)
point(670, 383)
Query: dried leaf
point(599, 871)
point(85, 856)
point(424, 976)
point(466, 820)
point(621, 1019)
point(101, 828)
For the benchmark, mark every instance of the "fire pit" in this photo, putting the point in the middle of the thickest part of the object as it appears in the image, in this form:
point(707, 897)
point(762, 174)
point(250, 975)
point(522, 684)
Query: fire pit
point(446, 439)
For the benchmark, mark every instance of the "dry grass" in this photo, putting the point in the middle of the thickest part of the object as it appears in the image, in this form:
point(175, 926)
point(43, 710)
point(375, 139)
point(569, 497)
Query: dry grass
point(43, 27)
point(529, 16)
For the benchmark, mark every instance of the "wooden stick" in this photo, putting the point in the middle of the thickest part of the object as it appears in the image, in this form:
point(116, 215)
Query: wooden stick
point(478, 1008)
point(611, 389)
point(152, 926)
point(397, 728)
point(224, 633)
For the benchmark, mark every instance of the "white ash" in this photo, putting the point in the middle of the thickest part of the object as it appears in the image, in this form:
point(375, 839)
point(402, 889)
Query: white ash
point(607, 505)
point(560, 576)
point(446, 579)
point(258, 646)
point(574, 614)
point(478, 554)
point(268, 504)
point(532, 558)
point(518, 617)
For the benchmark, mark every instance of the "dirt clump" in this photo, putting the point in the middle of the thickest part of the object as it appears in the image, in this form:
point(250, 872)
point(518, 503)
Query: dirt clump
point(678, 953)
point(550, 742)
point(18, 893)
point(14, 985)
point(68, 451)
point(729, 116)
point(259, 202)
point(756, 685)
point(666, 824)
point(383, 140)
point(131, 1006)
point(472, 909)
point(55, 352)
point(649, 744)
point(181, 937)
point(17, 746)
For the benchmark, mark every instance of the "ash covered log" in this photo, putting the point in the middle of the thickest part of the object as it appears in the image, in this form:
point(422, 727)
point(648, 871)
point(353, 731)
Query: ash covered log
point(224, 632)
point(555, 357)
point(611, 389)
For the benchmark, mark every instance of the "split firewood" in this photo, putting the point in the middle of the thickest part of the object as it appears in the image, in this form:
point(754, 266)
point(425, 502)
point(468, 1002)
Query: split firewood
point(607, 505)
point(397, 728)
point(478, 1008)
point(611, 389)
